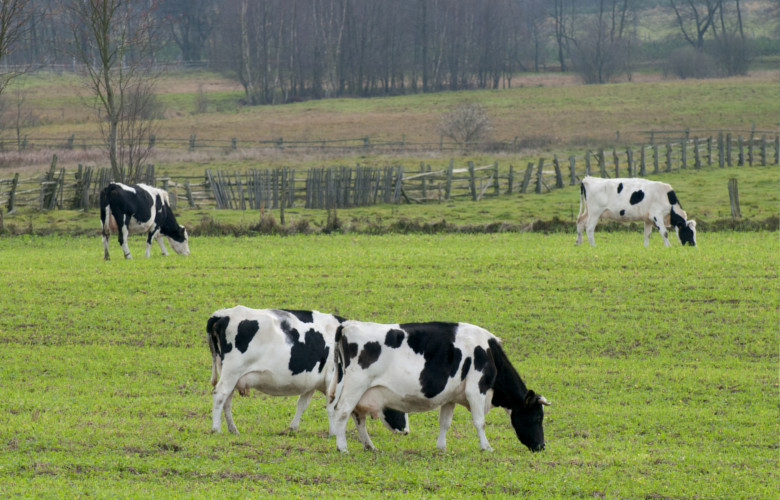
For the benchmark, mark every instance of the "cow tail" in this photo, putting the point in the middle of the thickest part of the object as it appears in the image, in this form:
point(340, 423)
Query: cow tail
point(334, 391)
point(583, 198)
point(216, 359)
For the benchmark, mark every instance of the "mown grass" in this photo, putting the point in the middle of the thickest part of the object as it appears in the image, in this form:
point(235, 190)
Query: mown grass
point(661, 365)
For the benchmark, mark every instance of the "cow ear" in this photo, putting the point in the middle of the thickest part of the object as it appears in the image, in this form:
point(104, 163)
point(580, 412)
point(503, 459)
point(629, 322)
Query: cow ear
point(530, 398)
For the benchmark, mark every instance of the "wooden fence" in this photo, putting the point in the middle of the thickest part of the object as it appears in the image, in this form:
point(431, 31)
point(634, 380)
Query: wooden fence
point(338, 187)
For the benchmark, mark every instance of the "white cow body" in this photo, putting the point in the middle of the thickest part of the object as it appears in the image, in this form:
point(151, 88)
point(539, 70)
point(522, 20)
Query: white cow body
point(418, 367)
point(278, 352)
point(632, 199)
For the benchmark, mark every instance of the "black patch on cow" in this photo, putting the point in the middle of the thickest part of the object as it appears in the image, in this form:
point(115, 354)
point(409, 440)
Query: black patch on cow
point(436, 343)
point(583, 192)
point(622, 213)
point(395, 419)
point(636, 197)
point(620, 187)
point(369, 354)
point(303, 316)
point(676, 220)
point(508, 388)
point(219, 328)
point(672, 198)
point(246, 332)
point(480, 358)
point(483, 362)
point(339, 318)
point(465, 369)
point(394, 338)
point(305, 355)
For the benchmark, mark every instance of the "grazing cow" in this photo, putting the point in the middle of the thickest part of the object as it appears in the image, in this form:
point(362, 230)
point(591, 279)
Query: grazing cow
point(140, 209)
point(278, 352)
point(651, 202)
point(417, 367)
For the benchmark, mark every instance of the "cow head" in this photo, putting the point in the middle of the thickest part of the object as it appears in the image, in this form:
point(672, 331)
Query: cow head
point(179, 241)
point(687, 233)
point(527, 421)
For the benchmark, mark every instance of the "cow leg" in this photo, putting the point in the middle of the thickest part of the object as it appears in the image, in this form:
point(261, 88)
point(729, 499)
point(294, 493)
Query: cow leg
point(477, 405)
point(123, 234)
point(228, 410)
point(648, 231)
point(303, 403)
point(580, 226)
point(221, 397)
point(360, 425)
point(590, 227)
point(342, 408)
point(658, 220)
point(161, 242)
point(445, 419)
point(105, 246)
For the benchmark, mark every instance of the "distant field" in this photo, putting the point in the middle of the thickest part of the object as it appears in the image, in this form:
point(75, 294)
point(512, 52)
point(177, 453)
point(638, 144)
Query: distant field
point(543, 112)
point(661, 364)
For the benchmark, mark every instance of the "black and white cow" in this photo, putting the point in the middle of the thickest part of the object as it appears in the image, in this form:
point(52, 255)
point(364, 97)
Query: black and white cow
point(140, 209)
point(278, 352)
point(416, 367)
point(651, 202)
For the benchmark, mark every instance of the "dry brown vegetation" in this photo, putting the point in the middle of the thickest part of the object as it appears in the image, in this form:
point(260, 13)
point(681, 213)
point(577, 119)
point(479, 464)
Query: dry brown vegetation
point(541, 111)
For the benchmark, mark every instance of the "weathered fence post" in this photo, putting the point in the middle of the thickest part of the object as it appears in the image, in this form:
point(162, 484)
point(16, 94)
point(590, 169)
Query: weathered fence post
point(734, 198)
point(558, 176)
point(496, 187)
point(721, 151)
point(448, 182)
point(422, 177)
point(511, 179)
point(539, 176)
point(751, 141)
point(696, 159)
point(192, 142)
point(777, 149)
point(709, 151)
point(668, 156)
point(602, 163)
point(642, 163)
point(587, 162)
point(617, 162)
point(655, 158)
point(728, 150)
point(763, 150)
point(12, 194)
point(630, 160)
point(684, 152)
point(527, 177)
point(741, 153)
point(572, 172)
point(472, 182)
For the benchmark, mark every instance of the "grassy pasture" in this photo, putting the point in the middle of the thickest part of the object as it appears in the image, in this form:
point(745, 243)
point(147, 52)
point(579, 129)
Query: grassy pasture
point(661, 365)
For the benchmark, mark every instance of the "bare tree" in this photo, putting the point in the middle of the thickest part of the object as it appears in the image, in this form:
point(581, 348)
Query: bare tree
point(190, 23)
point(467, 124)
point(14, 24)
point(113, 40)
point(600, 50)
point(695, 18)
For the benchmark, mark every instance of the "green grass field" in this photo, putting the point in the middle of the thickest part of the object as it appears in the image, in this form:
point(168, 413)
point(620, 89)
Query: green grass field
point(661, 364)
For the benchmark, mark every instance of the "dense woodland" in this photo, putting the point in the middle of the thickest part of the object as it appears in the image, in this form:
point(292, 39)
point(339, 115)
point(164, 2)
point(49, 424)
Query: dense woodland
point(283, 50)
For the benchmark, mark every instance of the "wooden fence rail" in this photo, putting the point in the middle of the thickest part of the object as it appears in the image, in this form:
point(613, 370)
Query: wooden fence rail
point(338, 187)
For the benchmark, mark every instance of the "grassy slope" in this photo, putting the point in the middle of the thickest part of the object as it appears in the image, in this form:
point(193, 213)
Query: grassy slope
point(661, 365)
point(551, 114)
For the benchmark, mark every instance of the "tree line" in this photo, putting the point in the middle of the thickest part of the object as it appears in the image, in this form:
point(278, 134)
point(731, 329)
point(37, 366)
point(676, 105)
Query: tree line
point(284, 50)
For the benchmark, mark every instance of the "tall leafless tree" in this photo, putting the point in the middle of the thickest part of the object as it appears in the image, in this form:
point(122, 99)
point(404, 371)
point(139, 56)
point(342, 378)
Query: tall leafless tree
point(15, 18)
point(113, 40)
